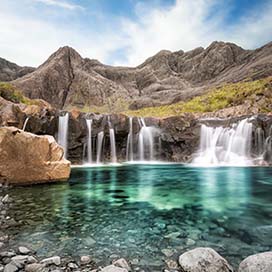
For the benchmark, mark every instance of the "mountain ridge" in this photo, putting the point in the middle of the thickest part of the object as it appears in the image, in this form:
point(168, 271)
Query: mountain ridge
point(66, 79)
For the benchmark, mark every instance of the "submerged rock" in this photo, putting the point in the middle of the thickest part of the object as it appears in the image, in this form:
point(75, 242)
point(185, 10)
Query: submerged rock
point(203, 260)
point(26, 158)
point(261, 262)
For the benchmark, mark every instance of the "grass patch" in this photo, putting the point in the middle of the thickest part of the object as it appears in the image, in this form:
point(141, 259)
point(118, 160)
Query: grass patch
point(12, 94)
point(216, 99)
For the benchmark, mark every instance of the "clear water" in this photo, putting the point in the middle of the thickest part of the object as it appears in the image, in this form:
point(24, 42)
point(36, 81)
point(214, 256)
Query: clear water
point(138, 211)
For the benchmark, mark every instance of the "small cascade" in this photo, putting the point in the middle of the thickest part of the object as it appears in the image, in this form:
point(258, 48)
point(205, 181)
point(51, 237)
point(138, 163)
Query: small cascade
point(112, 142)
point(145, 142)
point(89, 141)
point(100, 139)
point(63, 132)
point(225, 146)
point(259, 141)
point(113, 146)
point(25, 123)
point(129, 155)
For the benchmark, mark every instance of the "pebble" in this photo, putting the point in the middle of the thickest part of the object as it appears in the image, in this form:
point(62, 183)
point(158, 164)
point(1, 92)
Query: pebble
point(24, 250)
point(35, 267)
point(72, 265)
point(85, 260)
point(122, 263)
point(11, 268)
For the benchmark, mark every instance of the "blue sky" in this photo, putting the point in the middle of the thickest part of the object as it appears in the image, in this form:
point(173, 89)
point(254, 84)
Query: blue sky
point(126, 32)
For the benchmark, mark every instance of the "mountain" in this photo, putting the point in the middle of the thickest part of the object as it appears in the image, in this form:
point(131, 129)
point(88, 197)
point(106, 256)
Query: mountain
point(10, 71)
point(66, 79)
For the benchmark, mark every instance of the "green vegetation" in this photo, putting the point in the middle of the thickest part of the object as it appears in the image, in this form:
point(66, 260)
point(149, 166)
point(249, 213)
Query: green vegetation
point(227, 95)
point(12, 94)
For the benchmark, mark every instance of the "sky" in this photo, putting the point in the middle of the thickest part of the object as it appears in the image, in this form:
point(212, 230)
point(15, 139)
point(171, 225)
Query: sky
point(126, 32)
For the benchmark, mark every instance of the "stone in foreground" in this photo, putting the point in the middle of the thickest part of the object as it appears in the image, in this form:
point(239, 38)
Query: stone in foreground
point(113, 268)
point(261, 262)
point(26, 158)
point(203, 260)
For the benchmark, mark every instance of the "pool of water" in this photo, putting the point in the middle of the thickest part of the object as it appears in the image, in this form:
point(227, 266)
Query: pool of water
point(147, 213)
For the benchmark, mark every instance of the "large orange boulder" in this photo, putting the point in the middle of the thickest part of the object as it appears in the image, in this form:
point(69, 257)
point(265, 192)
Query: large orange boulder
point(26, 158)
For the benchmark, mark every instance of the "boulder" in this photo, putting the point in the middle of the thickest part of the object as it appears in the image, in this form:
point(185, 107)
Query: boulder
point(261, 262)
point(203, 260)
point(26, 158)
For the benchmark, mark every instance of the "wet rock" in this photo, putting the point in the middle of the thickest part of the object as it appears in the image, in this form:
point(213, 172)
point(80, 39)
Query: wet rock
point(24, 250)
point(203, 260)
point(190, 242)
point(261, 262)
point(113, 268)
point(6, 199)
point(35, 267)
point(122, 263)
point(171, 264)
point(52, 260)
point(89, 241)
point(167, 252)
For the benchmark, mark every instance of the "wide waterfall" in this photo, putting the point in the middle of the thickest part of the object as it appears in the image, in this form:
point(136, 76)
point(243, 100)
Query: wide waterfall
point(89, 141)
point(145, 142)
point(100, 140)
point(225, 146)
point(129, 155)
point(63, 132)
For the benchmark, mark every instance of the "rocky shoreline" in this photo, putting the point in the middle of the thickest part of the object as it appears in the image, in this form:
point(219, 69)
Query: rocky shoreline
point(22, 258)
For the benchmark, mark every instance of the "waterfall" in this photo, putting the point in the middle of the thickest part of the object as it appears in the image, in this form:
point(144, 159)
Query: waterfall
point(112, 142)
point(225, 146)
point(63, 132)
point(113, 146)
point(89, 142)
point(100, 138)
point(145, 142)
point(129, 155)
point(25, 123)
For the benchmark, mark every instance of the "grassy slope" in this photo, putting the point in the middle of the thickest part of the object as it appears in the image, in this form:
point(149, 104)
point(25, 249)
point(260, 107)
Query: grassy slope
point(216, 99)
point(12, 94)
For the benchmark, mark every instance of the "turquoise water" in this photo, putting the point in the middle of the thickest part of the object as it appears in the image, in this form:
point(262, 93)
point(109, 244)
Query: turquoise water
point(145, 212)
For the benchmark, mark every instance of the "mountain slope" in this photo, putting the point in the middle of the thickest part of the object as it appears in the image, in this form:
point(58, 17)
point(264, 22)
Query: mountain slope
point(10, 71)
point(66, 79)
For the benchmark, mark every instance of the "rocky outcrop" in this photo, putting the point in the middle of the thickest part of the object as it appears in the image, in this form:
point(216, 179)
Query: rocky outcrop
point(261, 262)
point(26, 158)
point(67, 79)
point(10, 71)
point(203, 260)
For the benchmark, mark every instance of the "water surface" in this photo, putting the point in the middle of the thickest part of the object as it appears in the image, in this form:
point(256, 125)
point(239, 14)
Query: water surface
point(148, 213)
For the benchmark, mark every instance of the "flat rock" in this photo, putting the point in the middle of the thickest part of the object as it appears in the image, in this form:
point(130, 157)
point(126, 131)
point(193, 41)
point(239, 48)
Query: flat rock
point(261, 262)
point(52, 260)
point(203, 260)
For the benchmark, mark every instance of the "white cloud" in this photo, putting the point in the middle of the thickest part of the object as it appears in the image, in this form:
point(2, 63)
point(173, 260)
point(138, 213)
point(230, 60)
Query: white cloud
point(59, 3)
point(28, 37)
point(189, 24)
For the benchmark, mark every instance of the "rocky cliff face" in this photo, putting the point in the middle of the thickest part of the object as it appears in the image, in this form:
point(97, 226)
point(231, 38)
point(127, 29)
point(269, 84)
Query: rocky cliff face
point(67, 79)
point(10, 71)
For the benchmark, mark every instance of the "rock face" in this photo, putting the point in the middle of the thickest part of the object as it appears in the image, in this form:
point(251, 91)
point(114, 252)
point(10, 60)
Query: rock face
point(26, 158)
point(10, 71)
point(261, 262)
point(67, 79)
point(203, 260)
